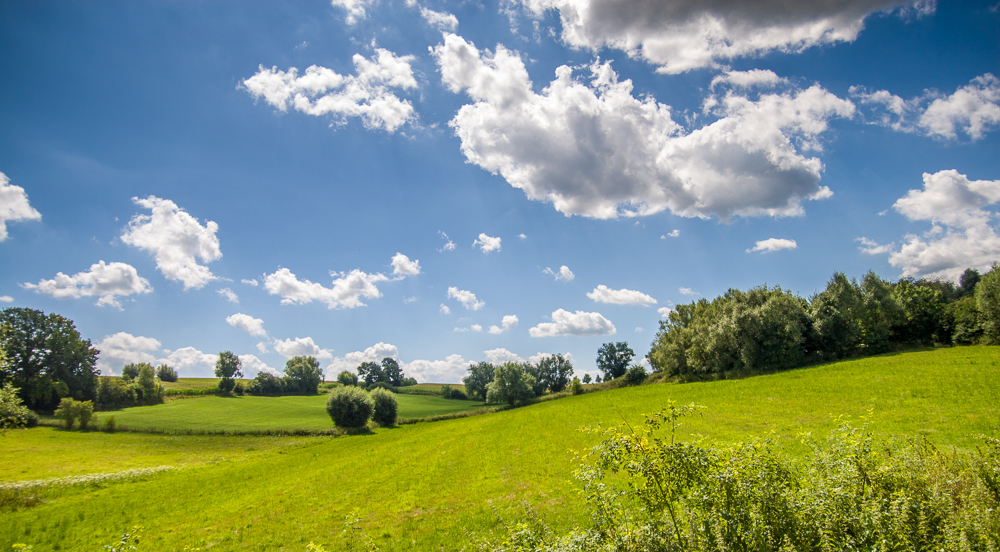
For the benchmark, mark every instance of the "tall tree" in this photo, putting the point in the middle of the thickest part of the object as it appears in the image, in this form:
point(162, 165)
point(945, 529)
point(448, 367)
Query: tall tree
point(480, 375)
point(304, 374)
point(228, 367)
point(391, 372)
point(511, 385)
point(988, 301)
point(46, 358)
point(555, 372)
point(370, 372)
point(613, 359)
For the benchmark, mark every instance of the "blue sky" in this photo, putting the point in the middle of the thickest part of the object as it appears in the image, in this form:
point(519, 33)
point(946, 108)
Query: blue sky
point(360, 179)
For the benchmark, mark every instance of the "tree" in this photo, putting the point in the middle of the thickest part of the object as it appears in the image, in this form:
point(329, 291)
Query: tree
point(391, 372)
point(370, 372)
point(613, 359)
point(43, 351)
point(480, 375)
point(152, 390)
point(835, 314)
point(511, 385)
point(131, 370)
point(228, 367)
point(924, 310)
point(347, 378)
point(967, 281)
point(554, 372)
point(13, 413)
point(586, 378)
point(166, 373)
point(988, 301)
point(303, 374)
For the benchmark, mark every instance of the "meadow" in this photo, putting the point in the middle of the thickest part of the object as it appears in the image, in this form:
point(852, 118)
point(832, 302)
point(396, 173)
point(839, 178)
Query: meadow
point(431, 485)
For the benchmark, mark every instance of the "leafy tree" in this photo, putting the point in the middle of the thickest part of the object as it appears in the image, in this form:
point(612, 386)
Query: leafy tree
point(349, 407)
point(228, 367)
point(166, 373)
point(408, 382)
point(152, 390)
point(924, 309)
point(265, 383)
point(635, 375)
point(13, 413)
point(538, 388)
point(384, 407)
point(967, 281)
point(480, 375)
point(835, 314)
point(131, 370)
point(964, 317)
point(988, 301)
point(880, 315)
point(303, 374)
point(613, 359)
point(347, 378)
point(69, 410)
point(115, 393)
point(576, 387)
point(391, 372)
point(586, 378)
point(42, 351)
point(511, 385)
point(597, 378)
point(370, 372)
point(554, 373)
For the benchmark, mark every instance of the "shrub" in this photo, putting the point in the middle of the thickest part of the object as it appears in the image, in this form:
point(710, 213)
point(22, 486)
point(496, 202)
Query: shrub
point(66, 412)
point(239, 388)
point(446, 391)
point(385, 407)
point(349, 407)
point(166, 373)
point(226, 386)
point(13, 413)
point(114, 393)
point(152, 390)
point(110, 425)
point(511, 385)
point(346, 378)
point(635, 375)
point(576, 387)
point(408, 382)
point(265, 384)
point(131, 371)
point(84, 411)
point(458, 395)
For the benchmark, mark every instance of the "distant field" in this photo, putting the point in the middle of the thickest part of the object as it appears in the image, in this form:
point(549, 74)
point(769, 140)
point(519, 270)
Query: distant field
point(424, 486)
point(248, 413)
point(436, 387)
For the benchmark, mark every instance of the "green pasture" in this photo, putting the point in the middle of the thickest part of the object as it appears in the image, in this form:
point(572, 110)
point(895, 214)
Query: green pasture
point(426, 486)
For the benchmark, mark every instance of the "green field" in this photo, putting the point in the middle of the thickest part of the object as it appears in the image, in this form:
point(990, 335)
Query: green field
point(423, 486)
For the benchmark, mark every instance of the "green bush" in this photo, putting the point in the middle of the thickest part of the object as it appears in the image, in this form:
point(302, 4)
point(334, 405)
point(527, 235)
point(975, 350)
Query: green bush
point(110, 425)
point(511, 385)
point(66, 412)
point(635, 375)
point(385, 407)
point(303, 375)
point(84, 411)
point(346, 378)
point(166, 373)
point(349, 407)
point(13, 413)
point(131, 371)
point(239, 388)
point(576, 387)
point(115, 393)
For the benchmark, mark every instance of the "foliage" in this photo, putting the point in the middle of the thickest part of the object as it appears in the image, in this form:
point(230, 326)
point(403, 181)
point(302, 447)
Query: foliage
point(131, 370)
point(635, 375)
point(923, 309)
point(303, 375)
point(511, 385)
point(576, 387)
point(369, 371)
point(13, 413)
point(450, 392)
point(554, 373)
point(480, 375)
point(347, 378)
point(967, 281)
point(129, 540)
point(586, 378)
point(110, 425)
point(152, 390)
point(265, 383)
point(384, 407)
point(349, 407)
point(228, 367)
point(391, 372)
point(988, 301)
point(166, 373)
point(43, 351)
point(115, 393)
point(70, 410)
point(407, 382)
point(613, 359)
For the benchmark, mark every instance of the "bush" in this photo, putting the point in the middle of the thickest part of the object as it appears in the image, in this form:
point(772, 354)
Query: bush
point(265, 384)
point(66, 412)
point(635, 375)
point(131, 371)
point(85, 411)
point(115, 393)
point(13, 413)
point(346, 378)
point(239, 388)
point(457, 395)
point(511, 385)
point(576, 387)
point(110, 425)
point(349, 407)
point(166, 373)
point(385, 407)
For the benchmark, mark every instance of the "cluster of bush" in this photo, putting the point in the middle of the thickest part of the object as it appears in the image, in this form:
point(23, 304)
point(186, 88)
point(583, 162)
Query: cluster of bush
point(139, 385)
point(450, 392)
point(13, 413)
point(351, 407)
point(514, 383)
point(386, 375)
point(302, 377)
point(769, 328)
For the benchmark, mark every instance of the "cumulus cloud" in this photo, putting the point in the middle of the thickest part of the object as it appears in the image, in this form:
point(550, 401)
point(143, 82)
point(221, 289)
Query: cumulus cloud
point(253, 283)
point(564, 274)
point(355, 9)
point(688, 291)
point(247, 323)
point(346, 292)
point(472, 328)
point(748, 79)
point(973, 110)
point(466, 298)
point(229, 294)
point(262, 347)
point(687, 34)
point(321, 91)
point(962, 234)
point(253, 366)
point(448, 245)
point(402, 266)
point(509, 323)
point(672, 234)
point(124, 348)
point(538, 357)
point(300, 346)
point(352, 360)
point(6, 299)
point(595, 150)
point(443, 21)
point(501, 355)
point(872, 247)
point(190, 362)
point(176, 239)
point(14, 205)
point(664, 312)
point(604, 294)
point(487, 244)
point(105, 281)
point(444, 309)
point(579, 323)
point(773, 244)
point(449, 370)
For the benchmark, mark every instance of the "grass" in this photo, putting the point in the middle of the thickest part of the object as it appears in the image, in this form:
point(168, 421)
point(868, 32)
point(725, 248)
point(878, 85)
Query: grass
point(422, 486)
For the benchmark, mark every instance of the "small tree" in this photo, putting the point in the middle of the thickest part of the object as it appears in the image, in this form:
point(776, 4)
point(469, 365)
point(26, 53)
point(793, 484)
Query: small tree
point(13, 413)
point(152, 390)
point(988, 301)
point(384, 407)
point(131, 370)
point(635, 375)
point(349, 407)
point(576, 387)
point(67, 411)
point(511, 385)
point(613, 359)
point(228, 367)
point(480, 375)
point(370, 372)
point(166, 373)
point(587, 378)
point(391, 372)
point(347, 378)
point(304, 374)
point(555, 372)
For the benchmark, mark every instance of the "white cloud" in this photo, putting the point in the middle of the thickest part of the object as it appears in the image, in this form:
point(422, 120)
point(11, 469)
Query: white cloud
point(190, 362)
point(262, 347)
point(176, 240)
point(509, 323)
point(6, 299)
point(501, 355)
point(872, 247)
point(253, 283)
point(688, 291)
point(450, 370)
point(538, 357)
point(408, 300)
point(973, 109)
point(603, 294)
point(664, 312)
point(638, 329)
point(466, 298)
point(472, 328)
point(355, 9)
point(961, 234)
point(684, 35)
point(321, 91)
point(487, 244)
point(444, 309)
point(247, 323)
point(346, 292)
point(449, 245)
point(300, 346)
point(773, 244)
point(106, 281)
point(253, 365)
point(522, 236)
point(14, 205)
point(672, 234)
point(748, 79)
point(228, 294)
point(123, 348)
point(443, 21)
point(352, 360)
point(579, 323)
point(595, 150)
point(564, 274)
point(402, 266)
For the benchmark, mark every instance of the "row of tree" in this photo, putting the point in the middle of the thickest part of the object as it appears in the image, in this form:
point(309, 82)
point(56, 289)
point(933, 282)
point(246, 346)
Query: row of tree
point(768, 328)
point(516, 382)
point(387, 373)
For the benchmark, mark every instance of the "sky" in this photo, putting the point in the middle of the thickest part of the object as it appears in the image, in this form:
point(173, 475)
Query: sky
point(452, 182)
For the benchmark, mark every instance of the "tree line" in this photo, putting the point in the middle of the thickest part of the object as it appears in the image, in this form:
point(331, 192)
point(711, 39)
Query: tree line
point(769, 328)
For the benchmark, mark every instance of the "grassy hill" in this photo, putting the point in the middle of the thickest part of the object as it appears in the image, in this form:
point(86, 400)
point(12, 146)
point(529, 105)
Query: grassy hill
point(424, 486)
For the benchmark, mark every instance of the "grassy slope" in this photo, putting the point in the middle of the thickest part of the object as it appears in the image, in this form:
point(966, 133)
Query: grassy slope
point(253, 413)
point(420, 486)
